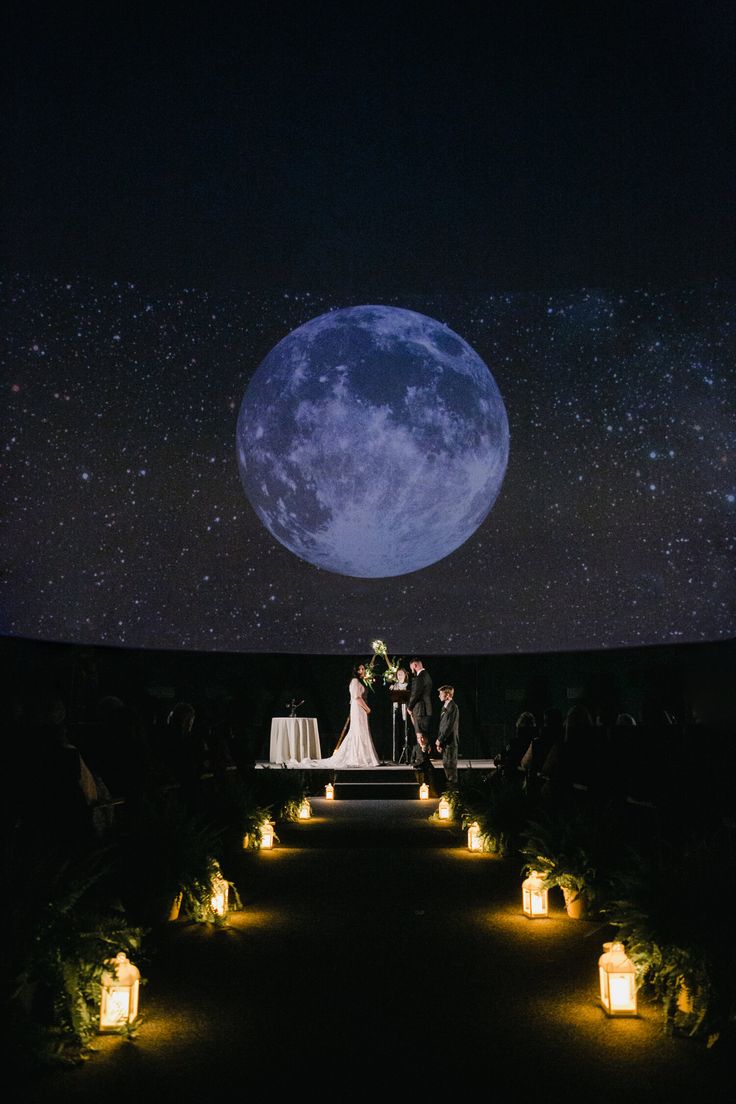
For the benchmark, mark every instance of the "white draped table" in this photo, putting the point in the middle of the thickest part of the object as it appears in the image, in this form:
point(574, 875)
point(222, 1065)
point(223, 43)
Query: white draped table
point(294, 738)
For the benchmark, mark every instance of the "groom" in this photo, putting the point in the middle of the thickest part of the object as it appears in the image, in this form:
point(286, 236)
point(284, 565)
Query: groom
point(419, 706)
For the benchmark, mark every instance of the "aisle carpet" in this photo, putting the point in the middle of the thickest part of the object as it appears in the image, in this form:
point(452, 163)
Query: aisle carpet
point(374, 951)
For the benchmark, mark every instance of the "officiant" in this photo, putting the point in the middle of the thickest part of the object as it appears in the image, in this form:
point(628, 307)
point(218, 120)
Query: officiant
point(400, 717)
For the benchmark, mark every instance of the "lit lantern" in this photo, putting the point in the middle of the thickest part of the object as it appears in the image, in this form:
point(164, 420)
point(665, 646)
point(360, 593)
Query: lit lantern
point(219, 892)
point(618, 981)
point(475, 840)
point(424, 792)
point(267, 835)
point(330, 792)
point(305, 810)
point(443, 809)
point(119, 993)
point(534, 896)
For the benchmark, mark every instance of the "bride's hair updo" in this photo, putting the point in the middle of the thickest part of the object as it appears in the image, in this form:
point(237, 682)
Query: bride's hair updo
point(356, 669)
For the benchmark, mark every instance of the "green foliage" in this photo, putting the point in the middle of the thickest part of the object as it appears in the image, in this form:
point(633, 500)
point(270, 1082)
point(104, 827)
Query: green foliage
point(498, 804)
point(569, 845)
point(673, 906)
point(197, 896)
point(279, 791)
point(61, 928)
point(166, 851)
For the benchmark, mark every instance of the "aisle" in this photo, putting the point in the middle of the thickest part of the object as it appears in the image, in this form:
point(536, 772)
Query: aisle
point(373, 946)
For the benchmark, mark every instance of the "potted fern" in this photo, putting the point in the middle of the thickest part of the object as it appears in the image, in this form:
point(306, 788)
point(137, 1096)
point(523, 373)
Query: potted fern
point(164, 861)
point(564, 844)
point(500, 807)
point(668, 905)
point(63, 924)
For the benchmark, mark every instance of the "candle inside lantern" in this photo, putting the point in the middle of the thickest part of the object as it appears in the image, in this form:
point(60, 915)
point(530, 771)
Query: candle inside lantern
point(119, 988)
point(443, 809)
point(305, 810)
point(330, 792)
point(219, 894)
point(617, 976)
point(475, 840)
point(267, 834)
point(534, 896)
point(424, 792)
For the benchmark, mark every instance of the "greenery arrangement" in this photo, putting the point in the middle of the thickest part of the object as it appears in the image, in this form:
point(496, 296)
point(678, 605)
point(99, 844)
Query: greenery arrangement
point(568, 844)
point(167, 851)
point(380, 651)
point(673, 907)
point(63, 928)
point(499, 806)
point(196, 902)
point(278, 792)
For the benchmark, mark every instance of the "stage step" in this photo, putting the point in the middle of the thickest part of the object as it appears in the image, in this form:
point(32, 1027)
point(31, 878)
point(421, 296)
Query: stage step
point(377, 784)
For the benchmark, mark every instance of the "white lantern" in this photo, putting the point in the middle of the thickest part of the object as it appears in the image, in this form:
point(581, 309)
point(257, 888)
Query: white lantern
point(534, 896)
point(330, 792)
point(219, 892)
point(305, 810)
point(475, 840)
point(443, 809)
point(617, 980)
point(120, 985)
point(424, 792)
point(267, 835)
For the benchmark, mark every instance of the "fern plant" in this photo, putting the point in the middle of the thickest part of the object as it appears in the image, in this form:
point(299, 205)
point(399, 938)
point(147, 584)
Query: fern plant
point(569, 846)
point(668, 904)
point(500, 808)
point(67, 925)
point(165, 853)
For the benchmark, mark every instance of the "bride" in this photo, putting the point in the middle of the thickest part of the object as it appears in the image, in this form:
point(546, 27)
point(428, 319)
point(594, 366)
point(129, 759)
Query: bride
point(356, 750)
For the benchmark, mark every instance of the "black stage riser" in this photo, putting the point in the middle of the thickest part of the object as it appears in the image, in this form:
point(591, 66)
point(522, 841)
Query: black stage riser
point(378, 791)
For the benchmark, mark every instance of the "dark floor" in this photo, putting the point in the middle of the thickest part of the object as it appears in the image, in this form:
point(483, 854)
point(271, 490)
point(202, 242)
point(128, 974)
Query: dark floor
point(374, 950)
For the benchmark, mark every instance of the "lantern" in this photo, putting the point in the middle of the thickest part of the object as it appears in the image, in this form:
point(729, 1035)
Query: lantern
point(534, 896)
point(475, 840)
point(305, 810)
point(618, 981)
point(267, 835)
point(119, 993)
point(330, 792)
point(219, 891)
point(443, 809)
point(423, 792)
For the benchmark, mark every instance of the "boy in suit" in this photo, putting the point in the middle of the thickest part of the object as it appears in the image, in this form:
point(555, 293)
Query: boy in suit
point(449, 731)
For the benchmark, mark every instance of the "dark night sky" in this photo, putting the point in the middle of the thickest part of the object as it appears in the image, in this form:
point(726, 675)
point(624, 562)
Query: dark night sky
point(384, 146)
point(186, 184)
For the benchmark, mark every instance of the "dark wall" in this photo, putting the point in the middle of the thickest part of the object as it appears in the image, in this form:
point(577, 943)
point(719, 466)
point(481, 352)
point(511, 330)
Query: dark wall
point(691, 682)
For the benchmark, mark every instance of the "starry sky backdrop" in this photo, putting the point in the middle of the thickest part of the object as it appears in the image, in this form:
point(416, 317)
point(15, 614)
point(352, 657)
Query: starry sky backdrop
point(554, 182)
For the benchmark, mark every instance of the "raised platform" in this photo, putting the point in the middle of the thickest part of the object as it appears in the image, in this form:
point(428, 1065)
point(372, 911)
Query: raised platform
point(388, 782)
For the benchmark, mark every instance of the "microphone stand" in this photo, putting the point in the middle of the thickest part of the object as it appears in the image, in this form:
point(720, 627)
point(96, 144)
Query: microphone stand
point(400, 697)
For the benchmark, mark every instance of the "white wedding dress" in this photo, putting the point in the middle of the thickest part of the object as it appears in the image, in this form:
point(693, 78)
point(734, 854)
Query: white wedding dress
point(357, 748)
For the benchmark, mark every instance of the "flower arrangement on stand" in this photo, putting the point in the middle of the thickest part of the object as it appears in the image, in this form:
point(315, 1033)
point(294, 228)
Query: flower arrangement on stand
point(380, 651)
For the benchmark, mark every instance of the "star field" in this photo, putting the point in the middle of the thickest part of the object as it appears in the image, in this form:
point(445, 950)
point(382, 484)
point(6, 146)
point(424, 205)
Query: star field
point(124, 521)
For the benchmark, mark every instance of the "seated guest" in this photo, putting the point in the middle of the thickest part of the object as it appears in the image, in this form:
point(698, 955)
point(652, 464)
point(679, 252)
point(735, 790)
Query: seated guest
point(568, 759)
point(66, 793)
point(511, 757)
point(424, 768)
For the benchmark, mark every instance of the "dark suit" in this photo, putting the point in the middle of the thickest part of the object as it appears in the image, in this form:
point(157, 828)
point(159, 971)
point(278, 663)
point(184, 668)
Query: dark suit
point(424, 768)
point(447, 739)
point(420, 701)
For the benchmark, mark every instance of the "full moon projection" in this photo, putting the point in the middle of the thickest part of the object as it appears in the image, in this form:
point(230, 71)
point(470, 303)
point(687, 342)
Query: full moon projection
point(372, 441)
